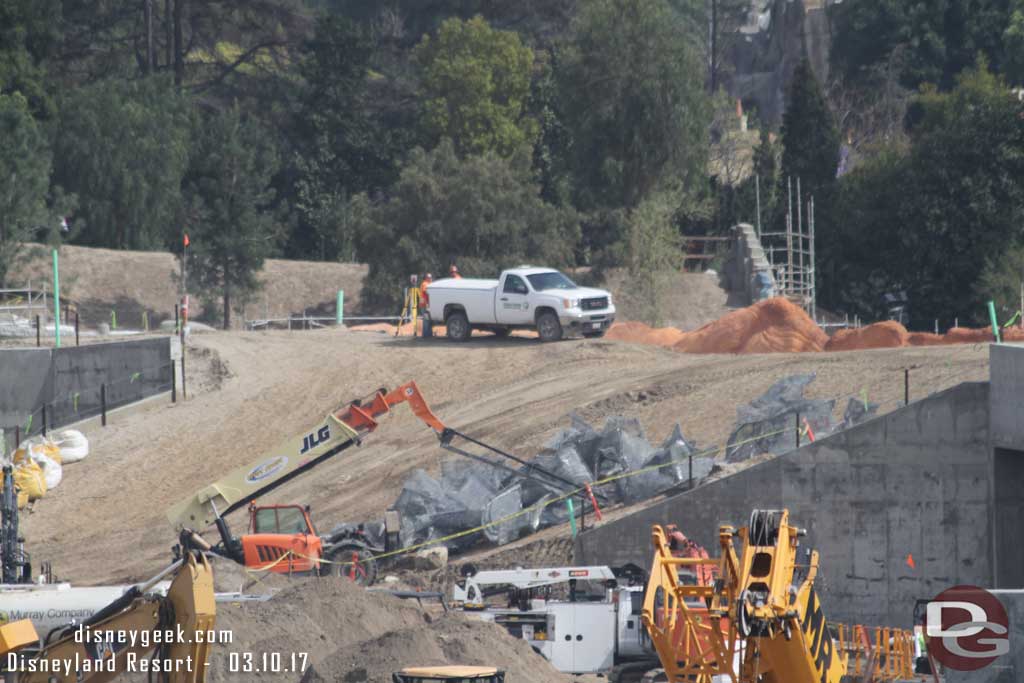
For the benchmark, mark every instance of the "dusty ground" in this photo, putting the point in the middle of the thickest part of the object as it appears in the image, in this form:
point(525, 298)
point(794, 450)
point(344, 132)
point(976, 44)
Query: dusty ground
point(250, 391)
point(130, 282)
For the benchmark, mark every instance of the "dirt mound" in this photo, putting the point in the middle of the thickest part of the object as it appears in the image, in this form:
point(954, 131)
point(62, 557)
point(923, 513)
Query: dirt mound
point(350, 635)
point(875, 336)
point(131, 283)
point(639, 333)
point(773, 325)
point(777, 325)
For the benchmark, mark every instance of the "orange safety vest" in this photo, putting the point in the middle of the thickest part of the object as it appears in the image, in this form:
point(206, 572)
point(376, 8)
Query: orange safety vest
point(424, 300)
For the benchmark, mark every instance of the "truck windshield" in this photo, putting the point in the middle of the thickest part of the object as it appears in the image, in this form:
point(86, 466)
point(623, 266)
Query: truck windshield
point(552, 280)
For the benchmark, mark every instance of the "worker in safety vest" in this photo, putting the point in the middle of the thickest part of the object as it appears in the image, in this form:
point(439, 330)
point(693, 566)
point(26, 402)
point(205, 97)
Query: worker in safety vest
point(453, 272)
point(424, 299)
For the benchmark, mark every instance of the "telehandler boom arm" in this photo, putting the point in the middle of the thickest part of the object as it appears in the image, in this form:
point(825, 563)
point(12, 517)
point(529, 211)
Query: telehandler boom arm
point(337, 431)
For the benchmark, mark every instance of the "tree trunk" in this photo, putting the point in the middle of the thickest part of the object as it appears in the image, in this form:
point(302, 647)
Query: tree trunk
point(150, 53)
point(227, 306)
point(714, 46)
point(179, 43)
point(168, 33)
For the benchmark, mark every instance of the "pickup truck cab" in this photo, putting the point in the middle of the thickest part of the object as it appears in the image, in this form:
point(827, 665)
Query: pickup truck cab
point(522, 298)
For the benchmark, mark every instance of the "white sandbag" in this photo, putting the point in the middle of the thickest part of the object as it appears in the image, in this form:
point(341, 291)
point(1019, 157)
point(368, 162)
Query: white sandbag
point(53, 472)
point(74, 446)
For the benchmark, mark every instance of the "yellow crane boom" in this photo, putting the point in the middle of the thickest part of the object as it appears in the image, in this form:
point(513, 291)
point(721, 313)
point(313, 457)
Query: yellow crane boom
point(140, 632)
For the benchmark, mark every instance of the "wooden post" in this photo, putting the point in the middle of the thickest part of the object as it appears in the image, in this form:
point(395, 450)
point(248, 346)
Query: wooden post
point(103, 405)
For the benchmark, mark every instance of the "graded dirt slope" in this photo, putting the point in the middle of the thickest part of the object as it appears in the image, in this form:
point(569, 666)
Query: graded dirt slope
point(251, 391)
point(130, 282)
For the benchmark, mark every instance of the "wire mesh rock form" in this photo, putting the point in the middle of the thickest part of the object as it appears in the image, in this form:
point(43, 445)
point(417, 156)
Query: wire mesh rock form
point(468, 495)
point(769, 423)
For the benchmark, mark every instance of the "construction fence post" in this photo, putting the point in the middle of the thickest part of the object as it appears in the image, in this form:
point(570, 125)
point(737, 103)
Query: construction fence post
point(76, 326)
point(38, 332)
point(798, 429)
point(906, 386)
point(174, 383)
point(689, 459)
point(184, 391)
point(44, 419)
point(103, 405)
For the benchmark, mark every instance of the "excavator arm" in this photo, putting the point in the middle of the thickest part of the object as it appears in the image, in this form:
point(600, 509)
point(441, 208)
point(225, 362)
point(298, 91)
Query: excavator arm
point(335, 433)
point(139, 632)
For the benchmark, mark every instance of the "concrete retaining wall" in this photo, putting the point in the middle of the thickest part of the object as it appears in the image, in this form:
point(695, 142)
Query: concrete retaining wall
point(916, 481)
point(68, 380)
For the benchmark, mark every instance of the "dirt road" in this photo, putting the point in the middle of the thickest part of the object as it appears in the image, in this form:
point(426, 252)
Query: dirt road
point(251, 391)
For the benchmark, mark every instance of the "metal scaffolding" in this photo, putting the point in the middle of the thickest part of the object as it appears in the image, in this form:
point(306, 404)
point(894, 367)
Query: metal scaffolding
point(791, 252)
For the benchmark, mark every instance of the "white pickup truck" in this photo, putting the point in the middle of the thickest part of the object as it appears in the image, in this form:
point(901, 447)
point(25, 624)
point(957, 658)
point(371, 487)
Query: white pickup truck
point(522, 298)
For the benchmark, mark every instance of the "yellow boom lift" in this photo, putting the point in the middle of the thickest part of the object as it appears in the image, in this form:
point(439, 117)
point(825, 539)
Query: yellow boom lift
point(167, 636)
point(764, 622)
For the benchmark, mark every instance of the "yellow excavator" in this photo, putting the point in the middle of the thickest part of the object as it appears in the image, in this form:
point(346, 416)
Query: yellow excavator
point(764, 622)
point(165, 636)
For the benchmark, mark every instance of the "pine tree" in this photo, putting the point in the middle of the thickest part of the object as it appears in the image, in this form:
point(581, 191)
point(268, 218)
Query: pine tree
point(232, 227)
point(809, 137)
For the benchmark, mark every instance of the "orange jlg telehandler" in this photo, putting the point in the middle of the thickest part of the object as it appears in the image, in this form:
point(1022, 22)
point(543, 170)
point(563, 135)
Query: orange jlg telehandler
point(282, 538)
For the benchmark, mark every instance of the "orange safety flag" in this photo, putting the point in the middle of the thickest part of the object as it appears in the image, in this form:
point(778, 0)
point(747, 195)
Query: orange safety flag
point(808, 430)
point(910, 561)
point(186, 239)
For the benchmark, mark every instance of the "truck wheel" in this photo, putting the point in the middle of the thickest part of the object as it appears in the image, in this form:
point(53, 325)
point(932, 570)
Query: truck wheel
point(548, 327)
point(354, 562)
point(457, 326)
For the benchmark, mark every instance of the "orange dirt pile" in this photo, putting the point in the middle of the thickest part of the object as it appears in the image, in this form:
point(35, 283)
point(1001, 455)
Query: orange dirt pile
point(639, 333)
point(773, 325)
point(876, 336)
point(777, 325)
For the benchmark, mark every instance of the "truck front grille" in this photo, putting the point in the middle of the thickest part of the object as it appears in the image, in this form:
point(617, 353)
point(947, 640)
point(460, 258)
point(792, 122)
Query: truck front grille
point(595, 304)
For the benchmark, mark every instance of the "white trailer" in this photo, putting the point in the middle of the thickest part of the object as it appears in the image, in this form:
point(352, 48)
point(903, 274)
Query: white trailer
point(578, 635)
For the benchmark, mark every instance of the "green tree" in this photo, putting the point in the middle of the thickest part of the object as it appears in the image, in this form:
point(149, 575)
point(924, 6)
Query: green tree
point(25, 170)
point(632, 92)
point(483, 212)
point(809, 137)
point(1001, 280)
point(653, 254)
point(122, 147)
point(338, 147)
point(1013, 44)
point(476, 81)
point(28, 36)
point(941, 38)
point(232, 227)
point(936, 221)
